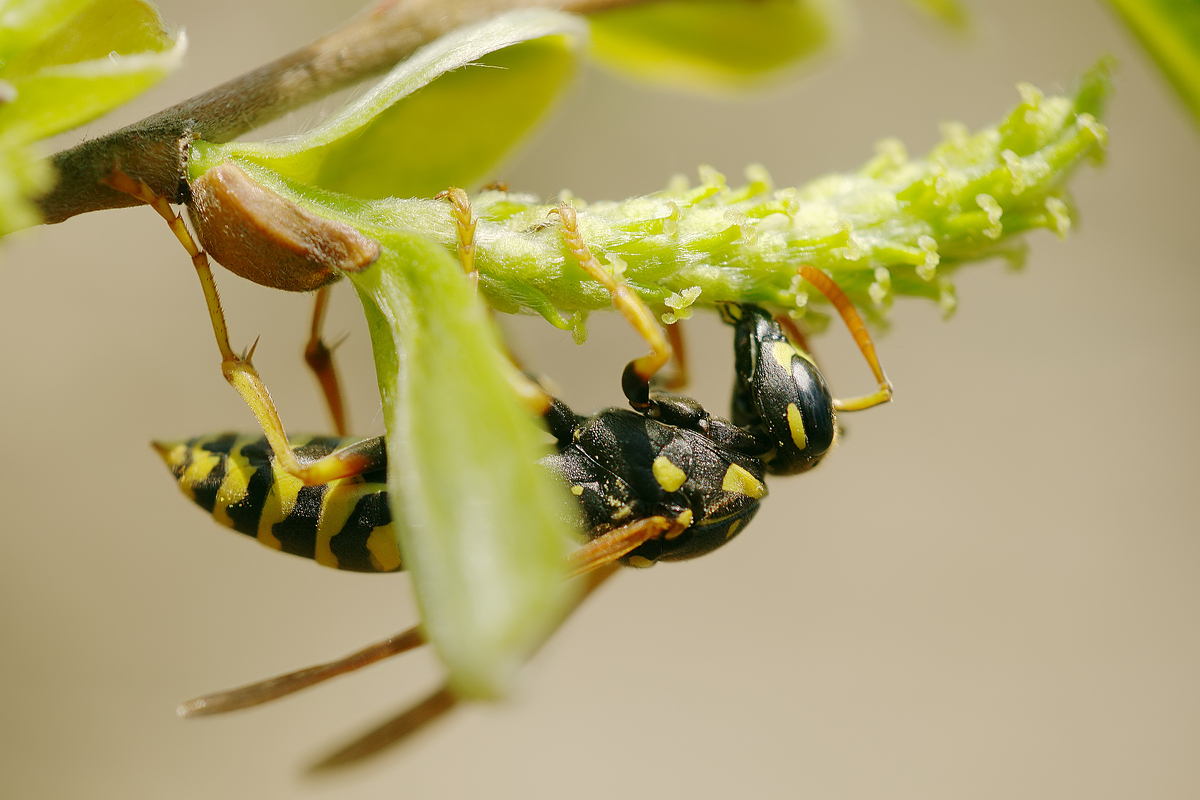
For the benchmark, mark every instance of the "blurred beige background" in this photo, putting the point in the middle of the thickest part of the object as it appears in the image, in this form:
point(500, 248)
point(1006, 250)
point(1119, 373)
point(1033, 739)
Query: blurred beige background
point(992, 589)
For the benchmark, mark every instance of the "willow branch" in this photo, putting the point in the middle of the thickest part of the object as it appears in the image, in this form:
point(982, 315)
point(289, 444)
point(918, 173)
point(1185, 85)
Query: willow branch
point(156, 148)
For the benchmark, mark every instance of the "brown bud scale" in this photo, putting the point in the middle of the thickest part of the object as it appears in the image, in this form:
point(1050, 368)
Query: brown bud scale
point(269, 239)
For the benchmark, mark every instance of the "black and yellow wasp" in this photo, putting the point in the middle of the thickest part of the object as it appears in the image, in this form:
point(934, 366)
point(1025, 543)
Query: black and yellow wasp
point(662, 480)
point(672, 480)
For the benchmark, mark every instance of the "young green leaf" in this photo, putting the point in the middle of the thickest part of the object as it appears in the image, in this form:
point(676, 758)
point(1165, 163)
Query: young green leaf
point(468, 97)
point(22, 176)
point(68, 63)
point(951, 13)
point(1170, 32)
point(482, 525)
point(64, 63)
point(709, 44)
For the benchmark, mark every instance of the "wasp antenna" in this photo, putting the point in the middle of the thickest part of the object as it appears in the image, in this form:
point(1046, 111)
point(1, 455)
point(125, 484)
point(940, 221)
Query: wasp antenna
point(635, 382)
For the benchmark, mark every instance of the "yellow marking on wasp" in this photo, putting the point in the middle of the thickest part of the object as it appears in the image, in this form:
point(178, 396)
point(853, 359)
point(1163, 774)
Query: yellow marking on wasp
point(279, 503)
point(669, 476)
point(385, 554)
point(621, 513)
point(683, 522)
point(577, 490)
point(203, 462)
point(733, 526)
point(782, 352)
point(796, 425)
point(237, 478)
point(641, 562)
point(174, 454)
point(281, 498)
point(739, 480)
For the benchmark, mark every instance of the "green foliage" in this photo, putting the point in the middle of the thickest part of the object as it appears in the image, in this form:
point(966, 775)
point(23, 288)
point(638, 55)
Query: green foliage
point(896, 227)
point(64, 63)
point(705, 43)
point(493, 82)
point(951, 13)
point(481, 525)
point(1170, 32)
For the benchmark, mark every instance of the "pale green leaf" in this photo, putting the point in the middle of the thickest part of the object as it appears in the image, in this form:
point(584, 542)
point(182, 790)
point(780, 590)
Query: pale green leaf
point(60, 98)
point(22, 176)
point(64, 63)
point(448, 131)
point(483, 530)
point(1170, 32)
point(108, 52)
point(93, 29)
point(26, 23)
point(702, 44)
point(951, 13)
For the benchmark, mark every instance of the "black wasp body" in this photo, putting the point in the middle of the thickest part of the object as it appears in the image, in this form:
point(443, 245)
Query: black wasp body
point(624, 466)
point(677, 461)
point(669, 459)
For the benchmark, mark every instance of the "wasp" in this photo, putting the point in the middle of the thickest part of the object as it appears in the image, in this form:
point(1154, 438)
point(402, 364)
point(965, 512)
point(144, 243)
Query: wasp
point(662, 480)
point(664, 483)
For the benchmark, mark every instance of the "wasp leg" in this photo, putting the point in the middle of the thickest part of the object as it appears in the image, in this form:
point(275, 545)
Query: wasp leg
point(635, 381)
point(465, 220)
point(319, 358)
point(858, 330)
point(535, 398)
point(608, 547)
point(238, 370)
point(680, 379)
point(393, 732)
point(274, 688)
point(415, 718)
point(282, 685)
